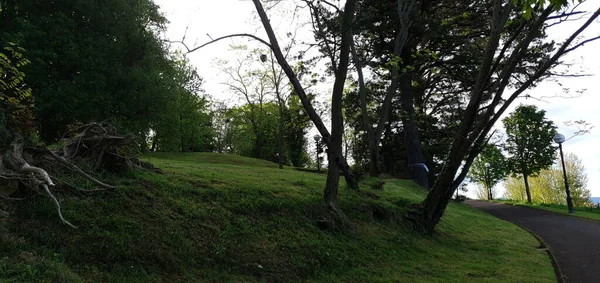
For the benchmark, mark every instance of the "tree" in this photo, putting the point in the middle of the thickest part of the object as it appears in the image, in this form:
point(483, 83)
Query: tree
point(401, 76)
point(94, 61)
point(186, 125)
point(529, 142)
point(246, 80)
point(337, 162)
point(22, 157)
point(486, 176)
point(503, 55)
point(549, 187)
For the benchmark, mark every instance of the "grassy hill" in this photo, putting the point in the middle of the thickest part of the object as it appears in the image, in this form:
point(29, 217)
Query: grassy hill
point(225, 218)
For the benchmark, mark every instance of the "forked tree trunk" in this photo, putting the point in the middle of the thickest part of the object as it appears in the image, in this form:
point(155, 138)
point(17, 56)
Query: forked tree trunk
point(374, 159)
point(470, 134)
point(333, 215)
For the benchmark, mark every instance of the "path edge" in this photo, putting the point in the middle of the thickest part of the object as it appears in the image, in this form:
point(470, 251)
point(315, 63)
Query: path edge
point(559, 274)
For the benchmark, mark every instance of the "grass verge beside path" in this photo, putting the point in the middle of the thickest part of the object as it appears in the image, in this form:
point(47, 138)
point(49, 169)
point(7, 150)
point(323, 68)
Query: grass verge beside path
point(581, 212)
point(225, 218)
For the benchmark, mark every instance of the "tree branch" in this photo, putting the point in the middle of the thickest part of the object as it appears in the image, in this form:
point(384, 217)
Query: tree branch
point(219, 39)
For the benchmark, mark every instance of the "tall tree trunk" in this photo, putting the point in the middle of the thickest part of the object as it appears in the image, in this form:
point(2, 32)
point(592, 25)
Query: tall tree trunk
point(362, 93)
point(527, 191)
point(470, 135)
point(333, 139)
point(334, 148)
point(426, 215)
point(416, 162)
point(432, 209)
point(276, 82)
point(373, 159)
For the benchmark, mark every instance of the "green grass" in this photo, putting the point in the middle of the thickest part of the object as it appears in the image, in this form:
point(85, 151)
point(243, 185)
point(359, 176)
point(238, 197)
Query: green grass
point(582, 212)
point(224, 218)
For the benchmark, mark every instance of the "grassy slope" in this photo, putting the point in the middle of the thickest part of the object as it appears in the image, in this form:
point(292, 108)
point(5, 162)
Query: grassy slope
point(582, 212)
point(226, 218)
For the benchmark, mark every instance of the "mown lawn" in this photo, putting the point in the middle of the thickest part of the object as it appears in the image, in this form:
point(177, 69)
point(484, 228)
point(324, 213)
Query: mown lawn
point(582, 212)
point(224, 218)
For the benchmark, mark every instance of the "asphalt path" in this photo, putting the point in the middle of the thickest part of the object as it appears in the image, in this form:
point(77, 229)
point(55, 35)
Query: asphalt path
point(574, 242)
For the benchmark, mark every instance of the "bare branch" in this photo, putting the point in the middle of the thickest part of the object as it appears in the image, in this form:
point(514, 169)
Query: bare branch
point(581, 44)
point(221, 38)
point(565, 15)
point(72, 166)
point(290, 73)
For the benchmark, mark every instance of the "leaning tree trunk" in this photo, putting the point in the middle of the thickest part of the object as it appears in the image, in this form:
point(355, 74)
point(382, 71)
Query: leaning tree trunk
point(335, 158)
point(432, 209)
point(333, 139)
point(417, 169)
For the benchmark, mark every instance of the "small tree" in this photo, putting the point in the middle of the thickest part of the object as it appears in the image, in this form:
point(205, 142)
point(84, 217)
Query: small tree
point(549, 185)
point(489, 176)
point(529, 142)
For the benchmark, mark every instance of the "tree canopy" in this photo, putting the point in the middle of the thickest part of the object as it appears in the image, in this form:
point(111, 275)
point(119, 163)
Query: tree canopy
point(529, 142)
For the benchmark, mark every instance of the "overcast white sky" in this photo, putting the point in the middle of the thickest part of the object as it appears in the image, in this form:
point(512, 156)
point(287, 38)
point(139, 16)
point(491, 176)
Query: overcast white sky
point(223, 17)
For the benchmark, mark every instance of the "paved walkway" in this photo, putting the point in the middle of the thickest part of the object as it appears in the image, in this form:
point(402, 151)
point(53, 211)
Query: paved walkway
point(574, 242)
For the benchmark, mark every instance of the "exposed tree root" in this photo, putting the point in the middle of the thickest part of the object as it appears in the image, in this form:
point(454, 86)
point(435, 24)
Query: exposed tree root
point(96, 143)
point(57, 205)
point(74, 167)
point(333, 219)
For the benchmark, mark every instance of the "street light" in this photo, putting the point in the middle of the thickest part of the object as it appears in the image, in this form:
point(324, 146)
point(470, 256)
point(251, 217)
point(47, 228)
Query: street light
point(487, 181)
point(559, 139)
point(319, 150)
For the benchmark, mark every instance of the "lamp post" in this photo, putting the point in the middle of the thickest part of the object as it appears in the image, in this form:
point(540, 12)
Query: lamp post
point(559, 139)
point(319, 150)
point(487, 181)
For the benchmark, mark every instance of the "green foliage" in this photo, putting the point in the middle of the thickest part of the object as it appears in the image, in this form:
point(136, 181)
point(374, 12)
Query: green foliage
point(488, 177)
point(16, 101)
point(187, 123)
point(549, 186)
point(239, 134)
point(104, 60)
point(296, 128)
point(224, 218)
point(529, 140)
point(529, 7)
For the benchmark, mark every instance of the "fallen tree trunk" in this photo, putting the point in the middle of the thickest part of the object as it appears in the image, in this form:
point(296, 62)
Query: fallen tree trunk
point(97, 144)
